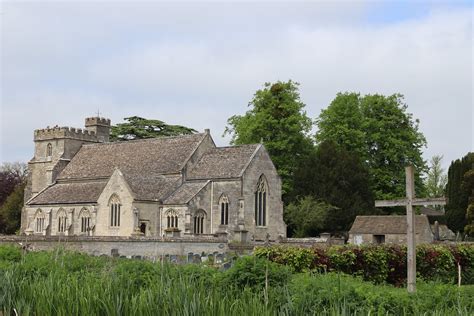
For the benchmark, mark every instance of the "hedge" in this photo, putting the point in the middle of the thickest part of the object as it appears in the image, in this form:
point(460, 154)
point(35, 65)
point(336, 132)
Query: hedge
point(379, 263)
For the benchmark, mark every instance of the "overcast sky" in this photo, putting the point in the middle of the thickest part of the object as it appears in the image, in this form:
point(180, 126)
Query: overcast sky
point(198, 63)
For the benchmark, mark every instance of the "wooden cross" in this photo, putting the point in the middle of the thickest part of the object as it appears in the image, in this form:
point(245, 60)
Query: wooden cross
point(409, 202)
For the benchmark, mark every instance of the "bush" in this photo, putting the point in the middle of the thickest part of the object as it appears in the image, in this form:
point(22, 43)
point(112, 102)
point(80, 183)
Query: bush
point(251, 272)
point(379, 263)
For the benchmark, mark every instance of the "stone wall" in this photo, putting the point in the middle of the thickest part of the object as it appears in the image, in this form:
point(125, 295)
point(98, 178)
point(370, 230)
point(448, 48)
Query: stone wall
point(122, 246)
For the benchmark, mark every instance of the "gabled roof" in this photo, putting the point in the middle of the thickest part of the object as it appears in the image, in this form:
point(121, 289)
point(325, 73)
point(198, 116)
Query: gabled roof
point(136, 158)
point(185, 193)
point(70, 193)
point(223, 162)
point(153, 188)
point(382, 225)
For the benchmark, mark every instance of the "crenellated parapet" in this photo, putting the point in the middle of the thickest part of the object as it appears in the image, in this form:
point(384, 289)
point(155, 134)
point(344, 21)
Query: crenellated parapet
point(101, 121)
point(65, 132)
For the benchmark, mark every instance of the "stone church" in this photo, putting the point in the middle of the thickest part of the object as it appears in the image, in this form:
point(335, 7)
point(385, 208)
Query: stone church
point(174, 187)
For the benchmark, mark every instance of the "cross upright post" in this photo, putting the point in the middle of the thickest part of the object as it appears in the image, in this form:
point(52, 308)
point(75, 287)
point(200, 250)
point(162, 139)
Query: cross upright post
point(411, 244)
point(409, 202)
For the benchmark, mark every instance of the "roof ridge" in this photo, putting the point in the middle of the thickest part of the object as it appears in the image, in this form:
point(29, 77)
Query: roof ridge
point(141, 140)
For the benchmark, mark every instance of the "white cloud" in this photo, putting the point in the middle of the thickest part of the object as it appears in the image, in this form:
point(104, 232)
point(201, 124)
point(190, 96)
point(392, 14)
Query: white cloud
point(198, 65)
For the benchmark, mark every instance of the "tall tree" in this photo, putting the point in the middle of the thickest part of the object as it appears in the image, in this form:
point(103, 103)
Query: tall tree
point(334, 175)
point(276, 118)
point(11, 175)
point(384, 135)
point(436, 178)
point(458, 198)
point(139, 127)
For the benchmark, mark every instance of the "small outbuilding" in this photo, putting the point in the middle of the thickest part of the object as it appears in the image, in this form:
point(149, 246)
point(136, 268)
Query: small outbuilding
point(390, 229)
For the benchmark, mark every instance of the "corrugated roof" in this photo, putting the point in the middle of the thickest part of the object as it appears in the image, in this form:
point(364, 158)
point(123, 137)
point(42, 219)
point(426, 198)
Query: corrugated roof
point(392, 224)
point(223, 162)
point(147, 157)
point(70, 193)
point(185, 192)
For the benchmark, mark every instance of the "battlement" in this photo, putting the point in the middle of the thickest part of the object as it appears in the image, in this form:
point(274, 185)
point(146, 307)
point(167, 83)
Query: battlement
point(91, 121)
point(65, 132)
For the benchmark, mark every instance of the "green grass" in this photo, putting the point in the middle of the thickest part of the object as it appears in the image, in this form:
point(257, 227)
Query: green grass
point(65, 283)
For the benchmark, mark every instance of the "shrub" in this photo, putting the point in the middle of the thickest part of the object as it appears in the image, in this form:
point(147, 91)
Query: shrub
point(297, 259)
point(10, 253)
point(251, 272)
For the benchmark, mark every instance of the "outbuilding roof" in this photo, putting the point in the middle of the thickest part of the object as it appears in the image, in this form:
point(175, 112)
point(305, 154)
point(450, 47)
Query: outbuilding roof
point(390, 224)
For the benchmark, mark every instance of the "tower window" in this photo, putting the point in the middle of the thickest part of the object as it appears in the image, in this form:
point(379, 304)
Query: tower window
point(49, 150)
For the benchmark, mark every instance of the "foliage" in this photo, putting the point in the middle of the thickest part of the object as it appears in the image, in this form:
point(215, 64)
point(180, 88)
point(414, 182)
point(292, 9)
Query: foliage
point(297, 259)
point(65, 283)
point(11, 175)
point(309, 217)
point(10, 211)
point(458, 198)
point(252, 272)
point(138, 128)
point(468, 187)
point(436, 178)
point(338, 177)
point(381, 263)
point(382, 133)
point(278, 120)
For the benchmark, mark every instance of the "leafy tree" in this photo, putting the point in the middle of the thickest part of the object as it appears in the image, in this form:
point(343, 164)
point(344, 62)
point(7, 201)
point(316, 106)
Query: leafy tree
point(338, 177)
point(379, 129)
point(138, 128)
point(437, 178)
point(457, 196)
point(309, 216)
point(10, 211)
point(278, 120)
point(11, 175)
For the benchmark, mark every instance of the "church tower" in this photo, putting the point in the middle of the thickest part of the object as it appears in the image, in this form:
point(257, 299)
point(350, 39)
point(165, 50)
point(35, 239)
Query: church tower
point(55, 147)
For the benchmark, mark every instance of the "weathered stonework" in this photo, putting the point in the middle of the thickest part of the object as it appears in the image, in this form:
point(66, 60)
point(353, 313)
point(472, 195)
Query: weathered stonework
point(81, 186)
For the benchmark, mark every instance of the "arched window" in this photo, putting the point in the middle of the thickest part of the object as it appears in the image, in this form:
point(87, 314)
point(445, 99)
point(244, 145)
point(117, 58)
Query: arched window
point(115, 205)
point(62, 221)
point(39, 227)
point(199, 222)
point(172, 217)
point(49, 150)
point(261, 202)
point(85, 220)
point(224, 203)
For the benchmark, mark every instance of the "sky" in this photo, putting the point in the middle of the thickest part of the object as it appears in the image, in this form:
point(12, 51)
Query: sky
point(198, 63)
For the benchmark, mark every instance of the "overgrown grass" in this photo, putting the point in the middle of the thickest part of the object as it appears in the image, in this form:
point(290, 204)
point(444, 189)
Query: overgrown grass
point(65, 283)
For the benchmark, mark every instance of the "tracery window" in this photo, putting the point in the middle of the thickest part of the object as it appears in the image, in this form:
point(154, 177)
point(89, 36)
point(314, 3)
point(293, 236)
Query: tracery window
point(115, 206)
point(261, 202)
point(224, 203)
point(49, 150)
point(172, 218)
point(39, 227)
point(199, 222)
point(85, 220)
point(62, 221)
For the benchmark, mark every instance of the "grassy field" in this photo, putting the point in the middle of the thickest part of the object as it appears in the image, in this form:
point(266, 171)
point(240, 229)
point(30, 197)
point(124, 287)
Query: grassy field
point(64, 283)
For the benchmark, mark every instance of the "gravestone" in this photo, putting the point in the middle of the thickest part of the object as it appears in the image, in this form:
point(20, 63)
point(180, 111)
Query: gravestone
point(197, 258)
point(219, 258)
point(190, 257)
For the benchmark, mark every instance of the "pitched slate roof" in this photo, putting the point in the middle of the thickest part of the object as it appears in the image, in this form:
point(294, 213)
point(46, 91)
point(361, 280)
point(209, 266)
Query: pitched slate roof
point(223, 162)
point(153, 188)
point(382, 225)
point(148, 157)
point(185, 192)
point(70, 193)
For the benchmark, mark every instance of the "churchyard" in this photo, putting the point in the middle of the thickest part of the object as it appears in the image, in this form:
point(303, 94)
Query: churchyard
point(339, 280)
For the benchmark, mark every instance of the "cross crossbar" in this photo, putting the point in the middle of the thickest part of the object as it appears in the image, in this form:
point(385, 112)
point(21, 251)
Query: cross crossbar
point(404, 202)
